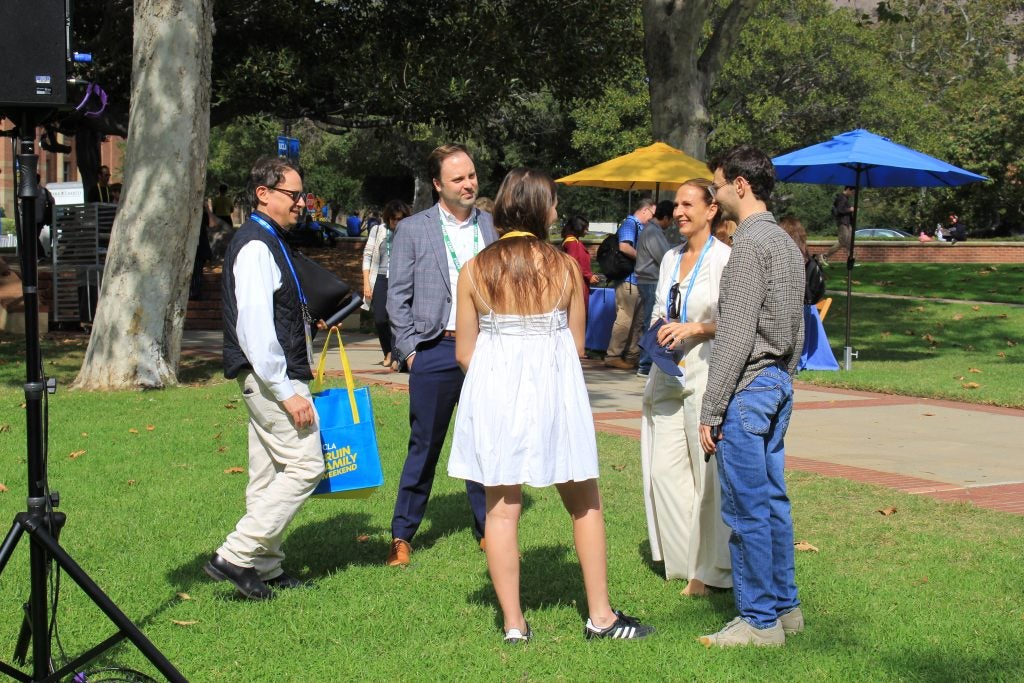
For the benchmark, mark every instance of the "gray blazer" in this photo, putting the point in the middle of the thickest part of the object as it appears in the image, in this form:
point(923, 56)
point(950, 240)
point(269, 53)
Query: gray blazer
point(419, 289)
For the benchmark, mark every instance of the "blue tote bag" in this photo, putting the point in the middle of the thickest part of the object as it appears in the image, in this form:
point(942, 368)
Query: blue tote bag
point(348, 433)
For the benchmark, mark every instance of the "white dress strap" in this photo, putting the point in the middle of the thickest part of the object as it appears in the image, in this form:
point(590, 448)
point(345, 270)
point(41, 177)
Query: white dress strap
point(472, 282)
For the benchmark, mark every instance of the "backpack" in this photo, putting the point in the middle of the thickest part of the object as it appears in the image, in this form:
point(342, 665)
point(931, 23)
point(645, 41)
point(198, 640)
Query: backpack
point(614, 264)
point(814, 287)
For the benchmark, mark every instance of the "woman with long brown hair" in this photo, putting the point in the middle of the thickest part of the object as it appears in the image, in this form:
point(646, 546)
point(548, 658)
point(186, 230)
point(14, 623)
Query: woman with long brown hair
point(524, 414)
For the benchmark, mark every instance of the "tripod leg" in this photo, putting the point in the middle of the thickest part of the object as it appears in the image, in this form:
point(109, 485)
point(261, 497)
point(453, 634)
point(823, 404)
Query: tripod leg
point(130, 630)
point(13, 536)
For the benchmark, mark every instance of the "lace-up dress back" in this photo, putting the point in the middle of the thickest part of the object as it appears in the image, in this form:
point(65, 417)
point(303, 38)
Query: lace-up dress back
point(524, 416)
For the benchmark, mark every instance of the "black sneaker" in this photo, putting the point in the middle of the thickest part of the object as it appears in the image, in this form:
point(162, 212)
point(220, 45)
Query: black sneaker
point(624, 628)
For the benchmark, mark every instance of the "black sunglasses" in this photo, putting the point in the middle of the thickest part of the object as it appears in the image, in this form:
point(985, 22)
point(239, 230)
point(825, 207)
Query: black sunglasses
point(294, 195)
point(673, 302)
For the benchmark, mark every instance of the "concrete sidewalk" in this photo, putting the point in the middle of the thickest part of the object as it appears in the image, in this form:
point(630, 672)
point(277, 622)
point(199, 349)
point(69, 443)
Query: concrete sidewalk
point(942, 449)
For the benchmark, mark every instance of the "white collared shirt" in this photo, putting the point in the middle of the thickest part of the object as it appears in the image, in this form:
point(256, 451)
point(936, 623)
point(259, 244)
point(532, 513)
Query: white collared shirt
point(461, 234)
point(257, 277)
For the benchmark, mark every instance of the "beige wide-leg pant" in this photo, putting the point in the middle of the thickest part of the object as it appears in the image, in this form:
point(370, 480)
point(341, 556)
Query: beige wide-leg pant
point(285, 465)
point(681, 491)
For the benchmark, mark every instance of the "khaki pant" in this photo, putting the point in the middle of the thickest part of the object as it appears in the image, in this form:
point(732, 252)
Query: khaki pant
point(845, 235)
point(285, 465)
point(628, 327)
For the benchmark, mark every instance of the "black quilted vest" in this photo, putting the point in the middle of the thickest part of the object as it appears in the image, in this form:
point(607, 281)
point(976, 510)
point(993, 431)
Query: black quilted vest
point(288, 322)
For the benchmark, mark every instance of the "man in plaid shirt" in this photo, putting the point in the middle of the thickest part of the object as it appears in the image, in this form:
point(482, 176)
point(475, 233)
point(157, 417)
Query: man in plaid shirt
point(749, 399)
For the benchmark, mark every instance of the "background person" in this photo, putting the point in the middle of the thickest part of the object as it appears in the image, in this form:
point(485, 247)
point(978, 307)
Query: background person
point(749, 400)
point(223, 206)
point(650, 249)
point(428, 253)
point(623, 350)
point(376, 257)
point(267, 349)
point(100, 192)
point(573, 231)
point(525, 416)
point(842, 212)
point(681, 489)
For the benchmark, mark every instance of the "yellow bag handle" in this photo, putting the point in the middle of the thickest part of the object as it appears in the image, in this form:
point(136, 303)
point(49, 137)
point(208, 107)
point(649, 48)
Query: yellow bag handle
point(318, 378)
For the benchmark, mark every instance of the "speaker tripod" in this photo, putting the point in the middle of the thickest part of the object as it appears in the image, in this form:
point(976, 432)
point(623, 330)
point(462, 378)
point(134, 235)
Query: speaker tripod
point(40, 521)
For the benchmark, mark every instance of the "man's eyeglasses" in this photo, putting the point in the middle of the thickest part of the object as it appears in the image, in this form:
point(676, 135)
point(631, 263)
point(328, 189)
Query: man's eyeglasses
point(294, 195)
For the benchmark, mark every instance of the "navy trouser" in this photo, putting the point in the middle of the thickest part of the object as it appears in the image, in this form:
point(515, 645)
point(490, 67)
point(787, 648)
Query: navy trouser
point(435, 382)
point(381, 322)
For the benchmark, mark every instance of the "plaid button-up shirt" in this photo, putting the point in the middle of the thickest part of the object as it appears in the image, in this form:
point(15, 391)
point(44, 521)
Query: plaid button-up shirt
point(760, 312)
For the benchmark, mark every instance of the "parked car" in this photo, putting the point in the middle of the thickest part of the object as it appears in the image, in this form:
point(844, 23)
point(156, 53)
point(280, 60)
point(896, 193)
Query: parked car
point(882, 233)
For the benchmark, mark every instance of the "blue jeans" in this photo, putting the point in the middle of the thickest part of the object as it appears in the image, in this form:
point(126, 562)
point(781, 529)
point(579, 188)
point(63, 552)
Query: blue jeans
point(647, 294)
point(754, 502)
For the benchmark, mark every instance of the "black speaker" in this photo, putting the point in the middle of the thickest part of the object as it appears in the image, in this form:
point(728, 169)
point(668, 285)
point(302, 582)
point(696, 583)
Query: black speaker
point(33, 53)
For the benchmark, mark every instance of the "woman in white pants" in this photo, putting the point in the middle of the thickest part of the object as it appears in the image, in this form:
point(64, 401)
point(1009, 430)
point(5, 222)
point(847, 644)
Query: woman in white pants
point(681, 490)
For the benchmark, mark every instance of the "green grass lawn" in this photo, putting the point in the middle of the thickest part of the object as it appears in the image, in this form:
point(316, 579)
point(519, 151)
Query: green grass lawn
point(963, 352)
point(929, 593)
point(1001, 283)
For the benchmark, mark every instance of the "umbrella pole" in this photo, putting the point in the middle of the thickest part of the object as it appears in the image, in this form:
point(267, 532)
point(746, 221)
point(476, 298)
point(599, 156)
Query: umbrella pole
point(848, 353)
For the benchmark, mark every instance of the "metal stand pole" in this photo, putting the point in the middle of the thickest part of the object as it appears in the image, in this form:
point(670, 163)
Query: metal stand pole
point(40, 520)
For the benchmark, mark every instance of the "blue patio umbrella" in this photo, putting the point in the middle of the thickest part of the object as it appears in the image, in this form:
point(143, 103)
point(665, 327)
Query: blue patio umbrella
point(862, 159)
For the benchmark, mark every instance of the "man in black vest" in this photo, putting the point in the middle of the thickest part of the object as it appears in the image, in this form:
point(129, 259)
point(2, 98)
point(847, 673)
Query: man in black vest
point(267, 349)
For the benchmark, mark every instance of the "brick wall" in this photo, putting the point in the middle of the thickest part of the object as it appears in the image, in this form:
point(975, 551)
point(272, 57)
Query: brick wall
point(884, 251)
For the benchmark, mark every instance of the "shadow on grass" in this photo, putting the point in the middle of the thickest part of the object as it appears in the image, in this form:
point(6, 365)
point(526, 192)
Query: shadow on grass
point(549, 576)
point(199, 370)
point(937, 665)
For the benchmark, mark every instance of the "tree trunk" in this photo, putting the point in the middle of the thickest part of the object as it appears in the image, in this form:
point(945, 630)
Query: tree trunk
point(136, 336)
point(681, 73)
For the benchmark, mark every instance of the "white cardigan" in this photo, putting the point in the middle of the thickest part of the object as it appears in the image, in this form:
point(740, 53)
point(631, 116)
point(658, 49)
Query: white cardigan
point(372, 255)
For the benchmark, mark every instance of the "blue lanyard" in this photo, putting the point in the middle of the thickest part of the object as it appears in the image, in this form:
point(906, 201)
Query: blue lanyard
point(693, 278)
point(269, 228)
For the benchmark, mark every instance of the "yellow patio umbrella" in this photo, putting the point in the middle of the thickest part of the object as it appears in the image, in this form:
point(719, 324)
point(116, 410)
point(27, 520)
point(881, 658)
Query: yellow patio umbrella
point(645, 168)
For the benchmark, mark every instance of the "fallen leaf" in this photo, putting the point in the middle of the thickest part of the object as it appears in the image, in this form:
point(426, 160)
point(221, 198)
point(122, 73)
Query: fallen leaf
point(1001, 354)
point(971, 385)
point(1003, 316)
point(918, 309)
point(234, 470)
point(362, 538)
point(230, 406)
point(5, 427)
point(183, 623)
point(886, 334)
point(184, 596)
point(855, 282)
point(74, 455)
point(150, 428)
point(133, 430)
point(217, 436)
point(222, 449)
point(958, 316)
point(975, 308)
point(909, 333)
point(132, 482)
point(929, 338)
point(804, 546)
point(1011, 343)
point(974, 370)
point(618, 468)
point(885, 512)
point(84, 434)
point(3, 489)
point(928, 414)
point(922, 580)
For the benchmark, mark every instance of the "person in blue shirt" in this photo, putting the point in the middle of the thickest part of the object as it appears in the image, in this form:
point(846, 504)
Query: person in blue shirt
point(623, 350)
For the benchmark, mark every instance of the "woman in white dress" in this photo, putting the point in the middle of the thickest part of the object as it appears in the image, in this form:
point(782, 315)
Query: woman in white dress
point(524, 415)
point(681, 491)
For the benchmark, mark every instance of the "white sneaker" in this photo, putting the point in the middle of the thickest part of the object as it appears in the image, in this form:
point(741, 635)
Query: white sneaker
point(739, 632)
point(792, 621)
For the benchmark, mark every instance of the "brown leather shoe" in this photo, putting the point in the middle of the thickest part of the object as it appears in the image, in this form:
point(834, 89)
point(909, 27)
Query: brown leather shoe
point(618, 364)
point(399, 554)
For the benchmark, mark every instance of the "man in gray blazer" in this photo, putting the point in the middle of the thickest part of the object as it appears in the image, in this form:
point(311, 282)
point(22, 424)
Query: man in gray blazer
point(428, 251)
